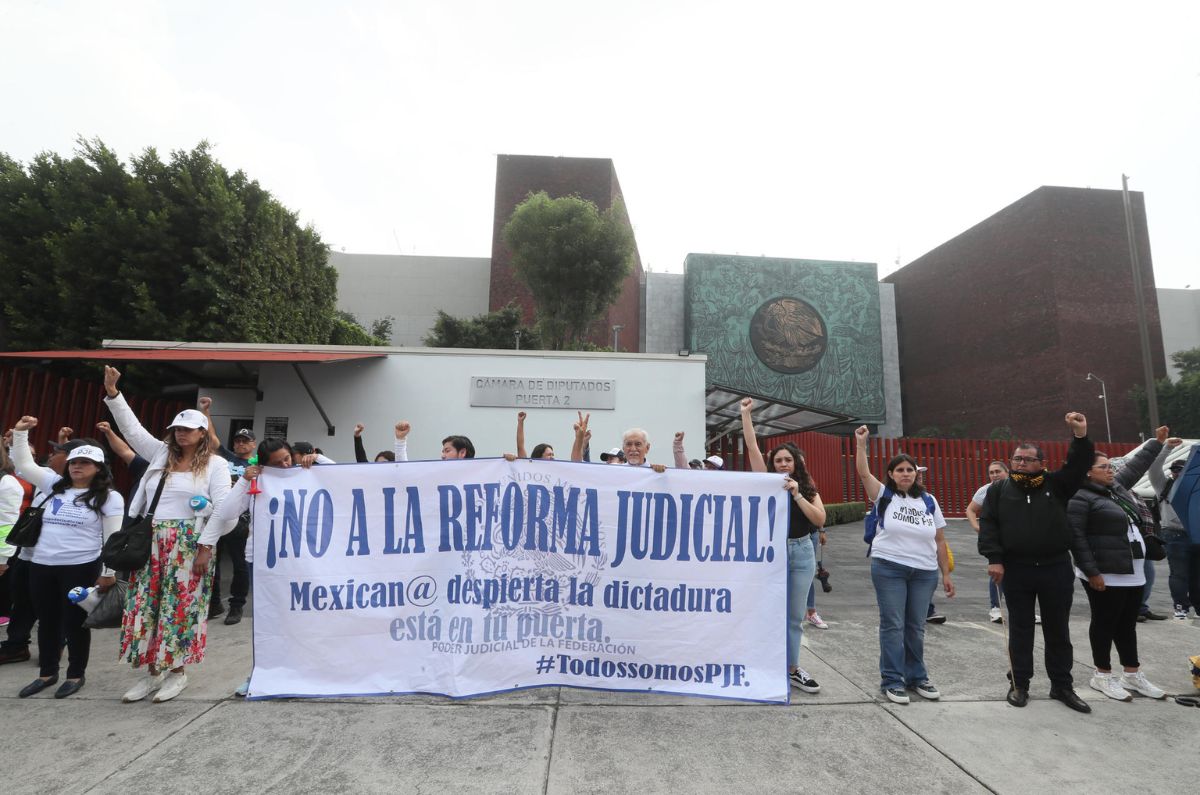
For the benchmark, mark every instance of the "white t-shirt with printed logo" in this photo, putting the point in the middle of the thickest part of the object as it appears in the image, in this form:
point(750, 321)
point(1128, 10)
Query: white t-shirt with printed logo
point(908, 535)
point(72, 532)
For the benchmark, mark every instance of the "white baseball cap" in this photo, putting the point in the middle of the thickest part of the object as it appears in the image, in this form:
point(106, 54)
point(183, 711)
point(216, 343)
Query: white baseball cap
point(716, 461)
point(90, 452)
point(189, 418)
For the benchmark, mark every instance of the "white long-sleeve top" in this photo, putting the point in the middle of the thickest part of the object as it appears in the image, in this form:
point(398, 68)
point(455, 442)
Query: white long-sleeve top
point(401, 449)
point(226, 516)
point(11, 494)
point(181, 486)
point(72, 533)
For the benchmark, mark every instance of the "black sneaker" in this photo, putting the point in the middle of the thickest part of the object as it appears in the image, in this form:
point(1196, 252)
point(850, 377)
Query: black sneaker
point(1017, 696)
point(800, 678)
point(926, 690)
point(935, 618)
point(234, 615)
point(896, 695)
point(215, 609)
point(1150, 614)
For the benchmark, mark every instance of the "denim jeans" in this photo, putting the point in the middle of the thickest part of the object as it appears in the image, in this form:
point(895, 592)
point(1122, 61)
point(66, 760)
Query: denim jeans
point(812, 589)
point(1148, 567)
point(903, 594)
point(802, 567)
point(1184, 559)
point(993, 594)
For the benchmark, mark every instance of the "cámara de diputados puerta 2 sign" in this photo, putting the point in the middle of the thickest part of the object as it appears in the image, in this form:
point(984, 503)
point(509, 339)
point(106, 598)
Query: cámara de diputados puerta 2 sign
point(523, 392)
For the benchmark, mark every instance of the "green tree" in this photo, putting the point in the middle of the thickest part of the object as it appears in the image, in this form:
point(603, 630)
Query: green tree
point(348, 331)
point(1178, 401)
point(574, 260)
point(494, 330)
point(179, 250)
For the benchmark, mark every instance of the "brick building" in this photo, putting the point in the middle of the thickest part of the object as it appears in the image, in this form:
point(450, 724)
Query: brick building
point(594, 179)
point(1001, 325)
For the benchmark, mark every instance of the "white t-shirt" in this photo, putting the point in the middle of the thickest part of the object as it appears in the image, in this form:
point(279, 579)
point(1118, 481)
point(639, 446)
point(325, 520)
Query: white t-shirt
point(908, 535)
point(72, 532)
point(1139, 565)
point(176, 499)
point(979, 494)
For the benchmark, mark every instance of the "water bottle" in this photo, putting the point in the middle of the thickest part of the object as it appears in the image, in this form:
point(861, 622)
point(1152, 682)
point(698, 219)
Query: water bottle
point(199, 503)
point(87, 598)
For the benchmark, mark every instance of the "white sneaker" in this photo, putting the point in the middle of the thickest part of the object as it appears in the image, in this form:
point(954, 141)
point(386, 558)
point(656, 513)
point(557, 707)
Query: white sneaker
point(1141, 684)
point(173, 686)
point(1109, 686)
point(815, 620)
point(145, 686)
point(994, 616)
point(1037, 618)
point(1181, 612)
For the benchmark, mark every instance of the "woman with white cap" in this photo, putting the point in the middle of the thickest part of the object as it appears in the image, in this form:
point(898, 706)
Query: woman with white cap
point(165, 625)
point(81, 511)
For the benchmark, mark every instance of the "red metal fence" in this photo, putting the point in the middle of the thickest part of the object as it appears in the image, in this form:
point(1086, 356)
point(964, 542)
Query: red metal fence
point(58, 402)
point(957, 467)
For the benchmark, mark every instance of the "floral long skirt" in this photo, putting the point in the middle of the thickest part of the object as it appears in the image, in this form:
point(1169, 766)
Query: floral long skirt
point(166, 610)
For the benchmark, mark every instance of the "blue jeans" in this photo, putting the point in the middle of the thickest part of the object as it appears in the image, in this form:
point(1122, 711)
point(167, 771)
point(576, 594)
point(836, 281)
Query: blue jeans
point(903, 594)
point(812, 589)
point(993, 593)
point(802, 567)
point(1148, 567)
point(1184, 559)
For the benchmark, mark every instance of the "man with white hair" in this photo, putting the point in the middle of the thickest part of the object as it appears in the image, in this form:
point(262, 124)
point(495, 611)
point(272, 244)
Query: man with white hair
point(635, 443)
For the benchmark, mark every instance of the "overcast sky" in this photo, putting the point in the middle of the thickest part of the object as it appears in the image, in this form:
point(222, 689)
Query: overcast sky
point(847, 131)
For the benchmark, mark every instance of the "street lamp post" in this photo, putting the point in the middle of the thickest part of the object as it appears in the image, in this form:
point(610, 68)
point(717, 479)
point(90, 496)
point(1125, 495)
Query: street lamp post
point(1103, 396)
point(616, 336)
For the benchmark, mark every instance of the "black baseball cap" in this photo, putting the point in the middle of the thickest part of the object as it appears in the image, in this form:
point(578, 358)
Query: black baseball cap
point(244, 433)
point(302, 448)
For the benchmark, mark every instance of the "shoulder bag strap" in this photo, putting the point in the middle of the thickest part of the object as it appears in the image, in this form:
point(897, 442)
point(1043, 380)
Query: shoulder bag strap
point(158, 493)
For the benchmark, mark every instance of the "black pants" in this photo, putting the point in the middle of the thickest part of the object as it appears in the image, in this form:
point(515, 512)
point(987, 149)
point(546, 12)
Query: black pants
point(234, 545)
point(21, 619)
point(58, 618)
point(1114, 620)
point(1051, 586)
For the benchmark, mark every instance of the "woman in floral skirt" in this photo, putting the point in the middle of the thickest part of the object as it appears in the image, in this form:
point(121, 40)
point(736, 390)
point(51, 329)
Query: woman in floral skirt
point(166, 614)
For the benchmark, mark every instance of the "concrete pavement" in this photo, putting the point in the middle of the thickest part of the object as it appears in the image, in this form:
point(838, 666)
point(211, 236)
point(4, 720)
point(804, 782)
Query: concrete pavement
point(844, 739)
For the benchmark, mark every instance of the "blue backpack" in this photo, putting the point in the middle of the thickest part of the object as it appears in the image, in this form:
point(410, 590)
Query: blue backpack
point(874, 518)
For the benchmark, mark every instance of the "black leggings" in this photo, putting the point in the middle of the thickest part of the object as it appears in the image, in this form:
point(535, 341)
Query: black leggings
point(58, 618)
point(1114, 620)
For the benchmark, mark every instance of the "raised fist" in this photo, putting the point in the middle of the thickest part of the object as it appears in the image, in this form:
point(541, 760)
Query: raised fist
point(111, 376)
point(358, 429)
point(26, 423)
point(204, 404)
point(402, 429)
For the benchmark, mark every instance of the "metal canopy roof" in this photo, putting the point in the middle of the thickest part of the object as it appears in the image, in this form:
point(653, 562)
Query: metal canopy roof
point(723, 414)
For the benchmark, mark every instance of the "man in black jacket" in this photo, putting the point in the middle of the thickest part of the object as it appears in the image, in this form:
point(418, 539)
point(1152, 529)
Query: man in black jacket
point(1024, 534)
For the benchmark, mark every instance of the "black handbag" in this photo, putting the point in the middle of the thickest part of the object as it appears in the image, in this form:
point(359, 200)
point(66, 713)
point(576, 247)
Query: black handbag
point(107, 614)
point(1155, 548)
point(27, 529)
point(128, 549)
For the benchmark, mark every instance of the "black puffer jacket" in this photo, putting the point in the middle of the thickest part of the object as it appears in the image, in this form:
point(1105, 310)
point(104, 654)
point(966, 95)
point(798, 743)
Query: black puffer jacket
point(1099, 526)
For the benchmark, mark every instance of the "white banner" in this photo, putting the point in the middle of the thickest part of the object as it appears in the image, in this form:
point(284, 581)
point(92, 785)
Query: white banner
point(469, 577)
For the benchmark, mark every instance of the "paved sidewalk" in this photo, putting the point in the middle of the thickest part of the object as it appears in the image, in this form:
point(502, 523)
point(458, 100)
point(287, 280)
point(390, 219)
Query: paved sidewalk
point(844, 739)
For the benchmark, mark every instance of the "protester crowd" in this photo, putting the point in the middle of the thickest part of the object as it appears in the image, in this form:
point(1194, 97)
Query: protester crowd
point(1041, 531)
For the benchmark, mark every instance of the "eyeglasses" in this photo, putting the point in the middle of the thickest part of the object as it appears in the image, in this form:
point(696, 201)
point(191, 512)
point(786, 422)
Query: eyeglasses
point(1024, 459)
